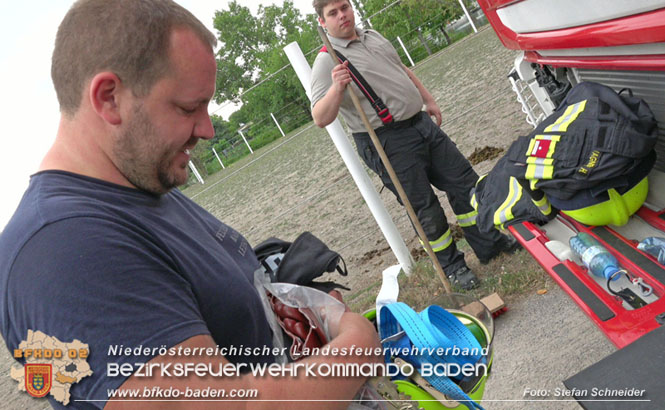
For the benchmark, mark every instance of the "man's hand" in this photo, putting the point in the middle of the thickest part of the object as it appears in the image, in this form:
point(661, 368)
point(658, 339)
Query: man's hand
point(433, 109)
point(341, 76)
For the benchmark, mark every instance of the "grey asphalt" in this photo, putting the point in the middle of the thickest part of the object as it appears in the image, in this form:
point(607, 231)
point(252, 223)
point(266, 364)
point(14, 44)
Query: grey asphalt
point(539, 342)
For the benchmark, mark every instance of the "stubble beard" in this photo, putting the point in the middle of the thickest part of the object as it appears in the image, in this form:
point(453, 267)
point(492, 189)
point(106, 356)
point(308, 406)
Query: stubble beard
point(143, 159)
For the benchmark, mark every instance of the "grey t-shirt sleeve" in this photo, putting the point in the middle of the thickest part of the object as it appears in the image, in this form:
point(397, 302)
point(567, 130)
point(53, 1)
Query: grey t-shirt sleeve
point(321, 77)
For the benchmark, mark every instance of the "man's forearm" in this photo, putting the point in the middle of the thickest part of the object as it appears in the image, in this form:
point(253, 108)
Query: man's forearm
point(355, 333)
point(326, 109)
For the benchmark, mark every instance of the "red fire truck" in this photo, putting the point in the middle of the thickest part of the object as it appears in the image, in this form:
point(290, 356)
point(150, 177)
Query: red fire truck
point(620, 44)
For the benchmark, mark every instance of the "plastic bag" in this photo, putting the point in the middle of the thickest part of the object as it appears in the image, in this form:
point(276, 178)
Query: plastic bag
point(326, 310)
point(323, 311)
point(654, 246)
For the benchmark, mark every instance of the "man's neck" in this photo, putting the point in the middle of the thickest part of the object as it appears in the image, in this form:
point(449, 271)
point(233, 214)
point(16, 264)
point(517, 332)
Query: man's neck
point(74, 150)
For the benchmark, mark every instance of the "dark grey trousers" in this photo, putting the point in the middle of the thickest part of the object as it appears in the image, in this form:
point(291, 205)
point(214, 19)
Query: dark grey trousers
point(422, 155)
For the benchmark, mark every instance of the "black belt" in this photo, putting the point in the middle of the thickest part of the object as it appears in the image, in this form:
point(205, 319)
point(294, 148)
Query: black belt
point(395, 125)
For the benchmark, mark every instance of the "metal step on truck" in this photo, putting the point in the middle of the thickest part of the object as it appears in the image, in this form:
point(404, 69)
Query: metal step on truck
point(620, 44)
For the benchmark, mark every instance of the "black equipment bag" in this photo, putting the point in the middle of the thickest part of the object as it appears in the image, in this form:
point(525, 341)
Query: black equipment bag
point(300, 262)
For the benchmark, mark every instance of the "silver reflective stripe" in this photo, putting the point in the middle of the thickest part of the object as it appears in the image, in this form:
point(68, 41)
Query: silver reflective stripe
point(442, 243)
point(543, 205)
point(467, 219)
point(567, 118)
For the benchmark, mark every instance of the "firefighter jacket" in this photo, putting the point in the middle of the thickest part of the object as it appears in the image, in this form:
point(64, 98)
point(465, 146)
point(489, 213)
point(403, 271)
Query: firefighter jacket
point(595, 140)
point(594, 136)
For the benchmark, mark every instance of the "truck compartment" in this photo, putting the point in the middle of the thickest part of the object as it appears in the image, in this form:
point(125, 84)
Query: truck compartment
point(621, 319)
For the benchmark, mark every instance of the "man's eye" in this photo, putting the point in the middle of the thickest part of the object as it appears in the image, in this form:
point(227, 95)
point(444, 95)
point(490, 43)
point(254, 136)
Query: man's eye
point(188, 110)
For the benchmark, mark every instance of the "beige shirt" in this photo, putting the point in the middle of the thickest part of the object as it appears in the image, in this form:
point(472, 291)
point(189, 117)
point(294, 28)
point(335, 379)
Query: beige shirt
point(378, 62)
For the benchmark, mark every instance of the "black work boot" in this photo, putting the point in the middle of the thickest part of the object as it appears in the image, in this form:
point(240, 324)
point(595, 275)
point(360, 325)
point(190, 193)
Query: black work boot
point(506, 244)
point(464, 278)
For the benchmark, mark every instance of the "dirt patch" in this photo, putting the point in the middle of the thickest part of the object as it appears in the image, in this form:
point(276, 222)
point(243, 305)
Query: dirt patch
point(374, 253)
point(483, 154)
point(456, 231)
point(418, 254)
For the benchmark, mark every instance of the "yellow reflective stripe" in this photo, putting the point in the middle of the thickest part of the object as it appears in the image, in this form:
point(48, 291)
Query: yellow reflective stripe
point(544, 205)
point(474, 201)
point(532, 184)
point(570, 115)
point(534, 171)
point(540, 161)
point(442, 243)
point(467, 219)
point(505, 212)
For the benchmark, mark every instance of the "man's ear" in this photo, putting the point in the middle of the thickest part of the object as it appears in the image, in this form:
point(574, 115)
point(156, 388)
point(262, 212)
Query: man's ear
point(104, 96)
point(322, 22)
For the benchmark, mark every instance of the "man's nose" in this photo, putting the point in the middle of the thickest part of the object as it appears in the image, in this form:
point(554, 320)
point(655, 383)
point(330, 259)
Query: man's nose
point(203, 128)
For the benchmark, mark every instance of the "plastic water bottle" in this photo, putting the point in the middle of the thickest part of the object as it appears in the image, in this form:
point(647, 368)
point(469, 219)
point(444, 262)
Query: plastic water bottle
point(598, 259)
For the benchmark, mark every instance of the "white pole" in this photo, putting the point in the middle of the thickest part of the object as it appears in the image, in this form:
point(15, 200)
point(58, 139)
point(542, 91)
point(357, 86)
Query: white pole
point(405, 51)
point(280, 128)
point(220, 161)
point(246, 143)
point(196, 172)
point(473, 26)
point(360, 177)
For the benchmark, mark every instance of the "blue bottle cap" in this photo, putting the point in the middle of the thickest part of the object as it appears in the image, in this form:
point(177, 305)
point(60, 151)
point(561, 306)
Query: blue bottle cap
point(611, 270)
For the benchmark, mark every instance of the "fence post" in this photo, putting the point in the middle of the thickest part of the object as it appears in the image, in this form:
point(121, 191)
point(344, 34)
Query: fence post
point(196, 172)
point(468, 16)
point(245, 139)
point(360, 177)
point(405, 51)
point(280, 128)
point(220, 161)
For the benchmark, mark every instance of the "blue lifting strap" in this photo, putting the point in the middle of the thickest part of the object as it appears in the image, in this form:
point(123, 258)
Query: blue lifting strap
point(433, 330)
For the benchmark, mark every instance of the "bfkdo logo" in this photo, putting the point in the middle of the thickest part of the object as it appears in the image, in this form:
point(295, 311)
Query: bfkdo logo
point(38, 379)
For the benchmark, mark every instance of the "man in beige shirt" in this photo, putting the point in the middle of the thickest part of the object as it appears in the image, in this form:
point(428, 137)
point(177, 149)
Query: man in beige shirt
point(419, 151)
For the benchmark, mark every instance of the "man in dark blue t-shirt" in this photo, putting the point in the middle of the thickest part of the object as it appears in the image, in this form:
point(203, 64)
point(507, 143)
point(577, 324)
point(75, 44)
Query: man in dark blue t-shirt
point(102, 249)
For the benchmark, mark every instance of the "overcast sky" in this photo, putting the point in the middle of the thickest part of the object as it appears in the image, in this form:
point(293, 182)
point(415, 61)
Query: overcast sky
point(28, 106)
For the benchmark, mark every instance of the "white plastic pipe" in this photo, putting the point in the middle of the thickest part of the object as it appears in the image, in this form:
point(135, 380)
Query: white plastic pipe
point(405, 51)
point(468, 16)
point(360, 177)
point(220, 161)
point(196, 172)
point(280, 128)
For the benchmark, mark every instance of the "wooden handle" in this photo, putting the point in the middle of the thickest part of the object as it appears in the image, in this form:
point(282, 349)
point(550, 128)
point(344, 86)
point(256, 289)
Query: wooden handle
point(391, 171)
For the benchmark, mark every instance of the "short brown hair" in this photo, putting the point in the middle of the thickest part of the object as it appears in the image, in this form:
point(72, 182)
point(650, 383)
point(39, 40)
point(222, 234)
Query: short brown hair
point(128, 37)
point(320, 4)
